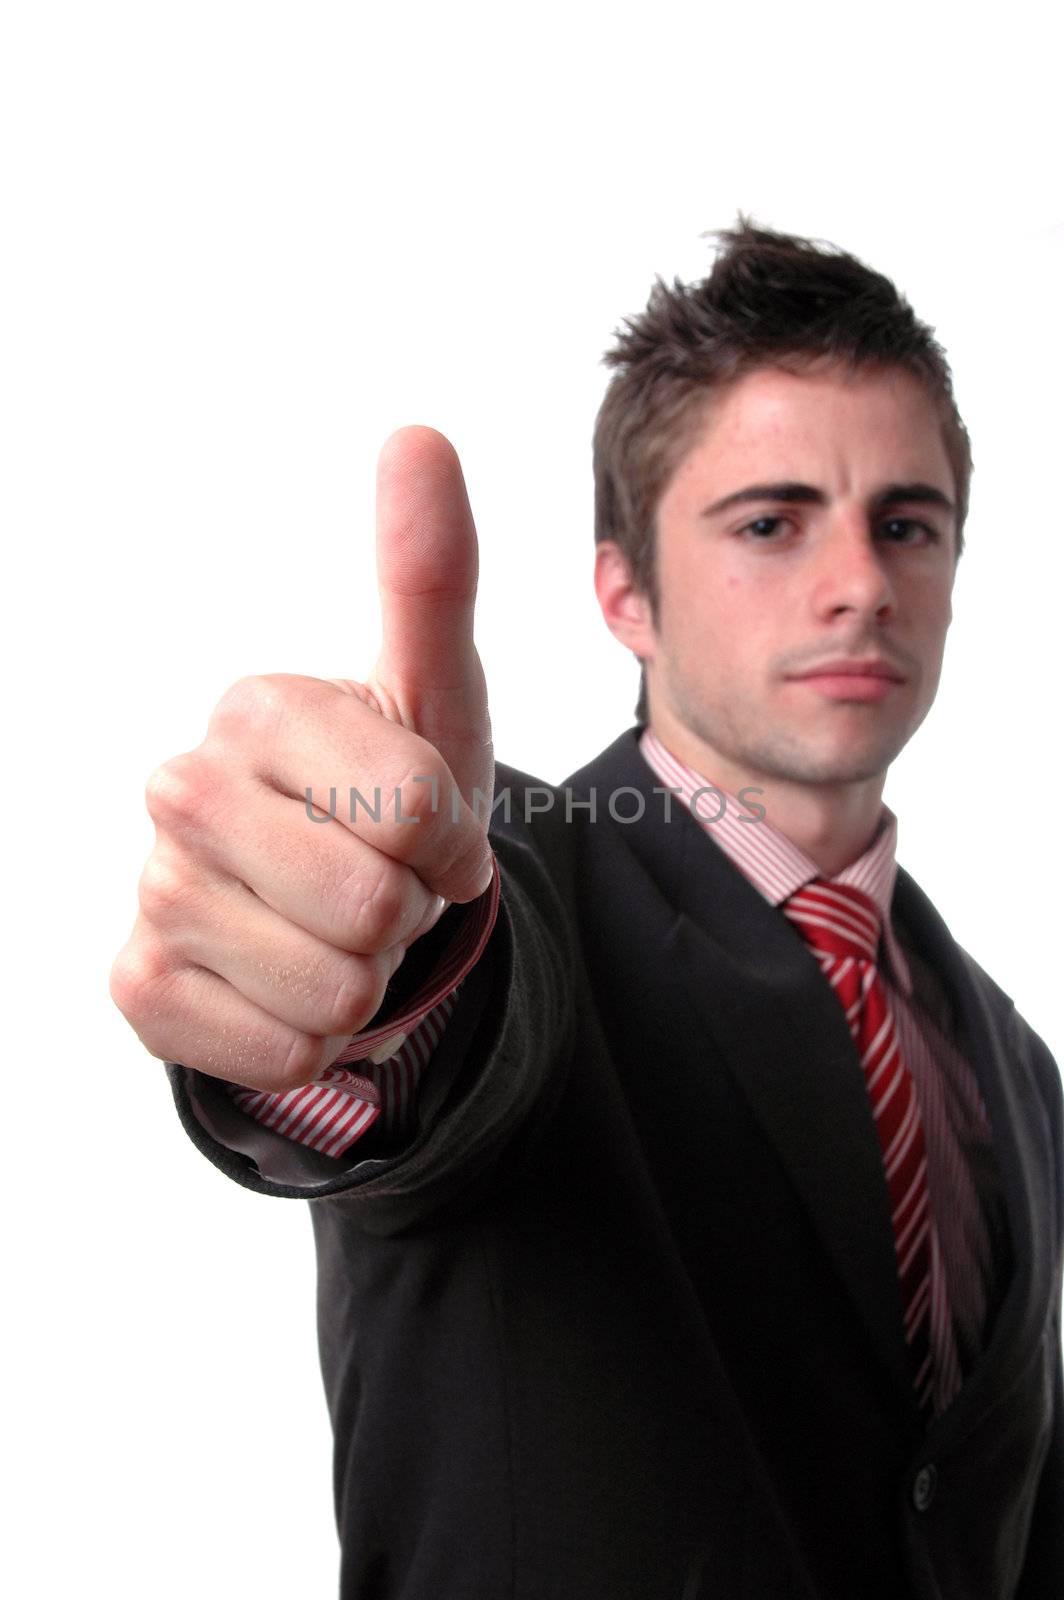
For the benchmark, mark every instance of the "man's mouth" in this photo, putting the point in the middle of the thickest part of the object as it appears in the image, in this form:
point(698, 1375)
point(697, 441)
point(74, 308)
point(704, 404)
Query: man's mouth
point(867, 678)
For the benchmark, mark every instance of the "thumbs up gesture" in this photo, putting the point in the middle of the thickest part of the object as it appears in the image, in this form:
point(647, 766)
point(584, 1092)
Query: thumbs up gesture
point(321, 827)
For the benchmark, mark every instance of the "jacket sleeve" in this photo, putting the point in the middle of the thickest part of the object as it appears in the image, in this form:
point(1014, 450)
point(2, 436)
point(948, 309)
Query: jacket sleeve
point(495, 1076)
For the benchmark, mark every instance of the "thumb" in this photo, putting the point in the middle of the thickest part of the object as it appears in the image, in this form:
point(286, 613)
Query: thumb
point(428, 675)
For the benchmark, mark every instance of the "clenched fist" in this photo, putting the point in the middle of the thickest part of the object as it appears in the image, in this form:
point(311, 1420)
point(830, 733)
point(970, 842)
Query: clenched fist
point(270, 925)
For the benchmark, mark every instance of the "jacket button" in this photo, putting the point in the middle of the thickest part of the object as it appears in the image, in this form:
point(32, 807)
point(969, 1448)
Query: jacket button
point(924, 1485)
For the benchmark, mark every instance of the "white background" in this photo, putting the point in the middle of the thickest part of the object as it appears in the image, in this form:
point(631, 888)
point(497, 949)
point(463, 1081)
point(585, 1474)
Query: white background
point(242, 244)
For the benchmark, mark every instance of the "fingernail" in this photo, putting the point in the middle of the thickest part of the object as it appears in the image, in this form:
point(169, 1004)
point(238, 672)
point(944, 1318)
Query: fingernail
point(484, 877)
point(437, 906)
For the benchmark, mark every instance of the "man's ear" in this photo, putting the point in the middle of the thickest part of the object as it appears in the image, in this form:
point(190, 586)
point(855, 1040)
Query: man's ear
point(625, 609)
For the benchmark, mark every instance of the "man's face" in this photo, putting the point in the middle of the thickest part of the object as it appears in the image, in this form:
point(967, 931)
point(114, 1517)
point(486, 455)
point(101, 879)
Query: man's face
point(842, 557)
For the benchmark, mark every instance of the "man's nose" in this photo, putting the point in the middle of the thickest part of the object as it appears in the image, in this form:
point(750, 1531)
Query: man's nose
point(851, 572)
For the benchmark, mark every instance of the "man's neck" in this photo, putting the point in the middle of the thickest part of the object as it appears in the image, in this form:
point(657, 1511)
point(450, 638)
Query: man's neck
point(834, 823)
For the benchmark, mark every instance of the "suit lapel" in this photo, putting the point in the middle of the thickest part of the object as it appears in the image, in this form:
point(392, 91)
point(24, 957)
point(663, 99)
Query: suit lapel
point(760, 996)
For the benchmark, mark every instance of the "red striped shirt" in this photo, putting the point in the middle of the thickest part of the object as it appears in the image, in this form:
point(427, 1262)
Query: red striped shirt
point(956, 1129)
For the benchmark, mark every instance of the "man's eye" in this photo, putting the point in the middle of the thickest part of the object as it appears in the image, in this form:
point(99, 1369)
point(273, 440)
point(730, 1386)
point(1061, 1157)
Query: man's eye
point(904, 530)
point(763, 526)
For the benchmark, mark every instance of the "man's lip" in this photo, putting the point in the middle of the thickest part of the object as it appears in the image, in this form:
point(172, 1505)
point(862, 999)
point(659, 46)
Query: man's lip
point(852, 669)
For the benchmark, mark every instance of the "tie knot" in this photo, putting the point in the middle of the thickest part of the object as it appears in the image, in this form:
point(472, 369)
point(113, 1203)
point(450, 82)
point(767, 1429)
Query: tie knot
point(836, 918)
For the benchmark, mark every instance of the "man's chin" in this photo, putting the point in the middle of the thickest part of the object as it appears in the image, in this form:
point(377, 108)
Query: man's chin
point(849, 764)
point(819, 756)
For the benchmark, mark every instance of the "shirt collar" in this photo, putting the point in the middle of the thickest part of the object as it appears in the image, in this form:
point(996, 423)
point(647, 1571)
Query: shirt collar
point(774, 864)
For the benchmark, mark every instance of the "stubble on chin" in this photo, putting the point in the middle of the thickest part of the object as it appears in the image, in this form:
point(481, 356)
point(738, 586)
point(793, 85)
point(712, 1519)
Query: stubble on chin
point(785, 754)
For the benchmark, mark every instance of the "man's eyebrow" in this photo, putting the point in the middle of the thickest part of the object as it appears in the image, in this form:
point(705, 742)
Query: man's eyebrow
point(894, 494)
point(912, 494)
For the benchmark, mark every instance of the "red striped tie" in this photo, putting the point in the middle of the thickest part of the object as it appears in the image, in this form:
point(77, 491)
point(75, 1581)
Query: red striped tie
point(842, 924)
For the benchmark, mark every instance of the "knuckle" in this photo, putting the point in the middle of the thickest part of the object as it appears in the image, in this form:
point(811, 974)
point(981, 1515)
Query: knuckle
point(178, 793)
point(251, 707)
point(138, 977)
point(163, 891)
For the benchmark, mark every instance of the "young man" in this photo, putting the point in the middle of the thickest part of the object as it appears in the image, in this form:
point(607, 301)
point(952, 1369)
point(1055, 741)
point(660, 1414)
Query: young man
point(706, 1238)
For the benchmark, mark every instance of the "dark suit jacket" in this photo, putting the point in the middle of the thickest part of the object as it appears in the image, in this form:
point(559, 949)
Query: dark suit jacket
point(622, 1321)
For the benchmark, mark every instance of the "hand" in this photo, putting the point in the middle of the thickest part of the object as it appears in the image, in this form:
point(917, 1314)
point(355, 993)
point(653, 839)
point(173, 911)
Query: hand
point(266, 938)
